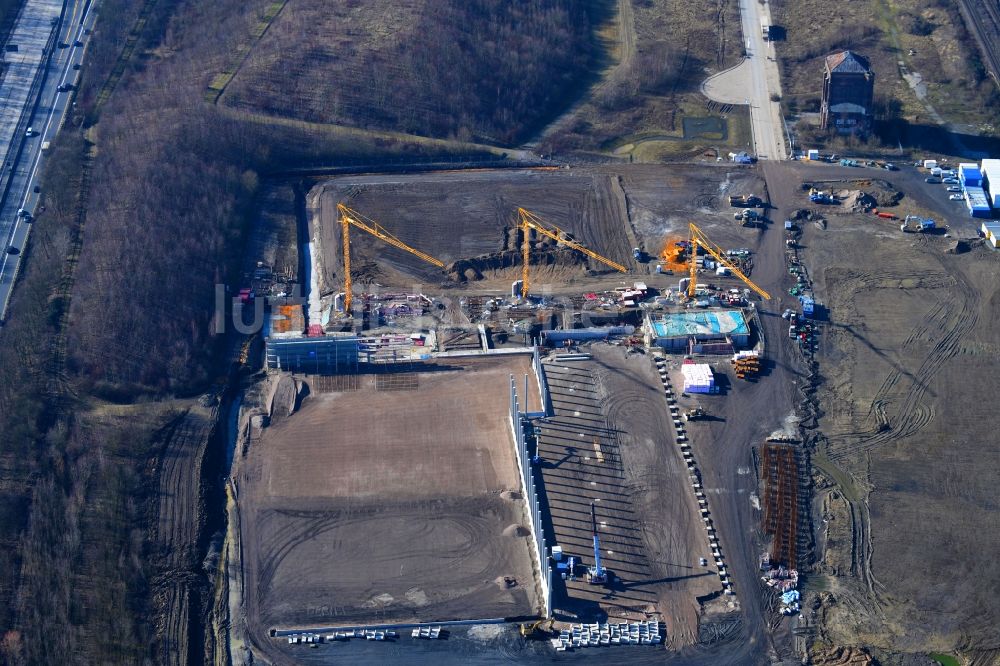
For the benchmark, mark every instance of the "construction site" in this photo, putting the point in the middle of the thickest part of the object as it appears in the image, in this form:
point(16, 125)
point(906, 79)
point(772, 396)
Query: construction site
point(517, 404)
point(493, 399)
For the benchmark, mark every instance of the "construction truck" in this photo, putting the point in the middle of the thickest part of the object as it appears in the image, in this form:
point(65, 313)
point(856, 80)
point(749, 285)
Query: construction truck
point(821, 197)
point(596, 574)
point(695, 414)
point(747, 217)
point(916, 225)
point(745, 201)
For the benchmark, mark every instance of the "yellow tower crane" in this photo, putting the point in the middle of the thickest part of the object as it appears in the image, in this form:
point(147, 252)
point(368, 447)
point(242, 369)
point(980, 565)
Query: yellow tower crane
point(698, 238)
point(529, 221)
point(348, 218)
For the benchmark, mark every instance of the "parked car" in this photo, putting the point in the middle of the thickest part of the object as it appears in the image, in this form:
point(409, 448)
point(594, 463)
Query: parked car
point(955, 197)
point(953, 188)
point(932, 180)
point(950, 181)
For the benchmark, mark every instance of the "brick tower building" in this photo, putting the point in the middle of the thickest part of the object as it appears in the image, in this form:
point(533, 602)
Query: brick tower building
point(848, 91)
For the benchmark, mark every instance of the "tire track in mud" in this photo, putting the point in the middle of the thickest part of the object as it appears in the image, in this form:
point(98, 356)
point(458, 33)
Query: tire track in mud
point(300, 526)
point(957, 316)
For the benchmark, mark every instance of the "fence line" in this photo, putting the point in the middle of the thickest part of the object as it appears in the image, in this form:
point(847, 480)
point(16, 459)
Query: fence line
point(519, 421)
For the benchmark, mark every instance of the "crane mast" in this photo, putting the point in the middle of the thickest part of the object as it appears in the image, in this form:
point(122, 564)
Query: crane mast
point(698, 238)
point(349, 218)
point(596, 574)
point(529, 221)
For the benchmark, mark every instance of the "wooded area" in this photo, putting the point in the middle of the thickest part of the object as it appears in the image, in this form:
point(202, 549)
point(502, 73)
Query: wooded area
point(86, 400)
point(484, 69)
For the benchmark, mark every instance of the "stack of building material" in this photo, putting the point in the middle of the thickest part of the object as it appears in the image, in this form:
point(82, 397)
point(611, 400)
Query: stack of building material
point(288, 319)
point(698, 378)
point(746, 364)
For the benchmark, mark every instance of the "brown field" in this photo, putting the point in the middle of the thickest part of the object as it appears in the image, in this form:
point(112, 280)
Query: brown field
point(907, 491)
point(471, 216)
point(408, 497)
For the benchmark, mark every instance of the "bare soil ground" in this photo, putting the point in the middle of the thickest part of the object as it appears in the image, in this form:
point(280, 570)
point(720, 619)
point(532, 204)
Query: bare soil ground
point(908, 350)
point(177, 531)
point(389, 505)
point(471, 218)
point(468, 219)
point(611, 442)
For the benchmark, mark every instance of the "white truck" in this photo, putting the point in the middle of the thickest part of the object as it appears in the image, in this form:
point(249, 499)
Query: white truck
point(765, 29)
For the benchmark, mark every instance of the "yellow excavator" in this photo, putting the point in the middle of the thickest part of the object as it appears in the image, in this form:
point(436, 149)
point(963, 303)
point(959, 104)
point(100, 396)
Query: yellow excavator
point(542, 626)
point(349, 218)
point(528, 221)
point(699, 239)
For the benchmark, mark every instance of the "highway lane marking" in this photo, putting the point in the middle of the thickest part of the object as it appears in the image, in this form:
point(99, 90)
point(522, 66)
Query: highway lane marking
point(38, 155)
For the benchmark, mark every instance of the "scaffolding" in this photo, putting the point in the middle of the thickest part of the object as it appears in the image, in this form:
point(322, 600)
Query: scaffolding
point(780, 472)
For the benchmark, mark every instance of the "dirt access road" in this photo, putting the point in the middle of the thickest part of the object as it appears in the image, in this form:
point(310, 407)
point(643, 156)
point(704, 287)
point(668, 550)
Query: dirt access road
point(909, 343)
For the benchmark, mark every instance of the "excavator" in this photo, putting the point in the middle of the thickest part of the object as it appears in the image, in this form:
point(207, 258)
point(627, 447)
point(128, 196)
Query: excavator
point(528, 221)
point(542, 626)
point(699, 239)
point(349, 218)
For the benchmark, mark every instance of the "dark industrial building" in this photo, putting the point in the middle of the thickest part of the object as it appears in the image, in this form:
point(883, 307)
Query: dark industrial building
point(848, 91)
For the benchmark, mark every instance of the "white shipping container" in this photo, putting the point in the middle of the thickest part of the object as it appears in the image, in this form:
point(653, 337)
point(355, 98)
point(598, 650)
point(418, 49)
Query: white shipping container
point(990, 170)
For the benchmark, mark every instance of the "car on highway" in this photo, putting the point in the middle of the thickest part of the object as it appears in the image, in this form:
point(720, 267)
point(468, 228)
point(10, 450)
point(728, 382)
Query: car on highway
point(64, 87)
point(29, 132)
point(63, 45)
point(12, 250)
point(950, 181)
point(37, 189)
point(76, 65)
point(955, 197)
point(890, 167)
point(78, 43)
point(932, 180)
point(953, 188)
point(24, 213)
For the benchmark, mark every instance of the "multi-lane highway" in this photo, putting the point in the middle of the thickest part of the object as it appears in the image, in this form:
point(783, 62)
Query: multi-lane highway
point(50, 37)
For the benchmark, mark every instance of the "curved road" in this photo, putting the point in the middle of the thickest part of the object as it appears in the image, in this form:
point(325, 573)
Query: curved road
point(752, 83)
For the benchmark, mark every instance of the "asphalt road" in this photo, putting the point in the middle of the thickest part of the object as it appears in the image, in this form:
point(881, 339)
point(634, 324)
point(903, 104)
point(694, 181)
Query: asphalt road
point(46, 120)
point(765, 115)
